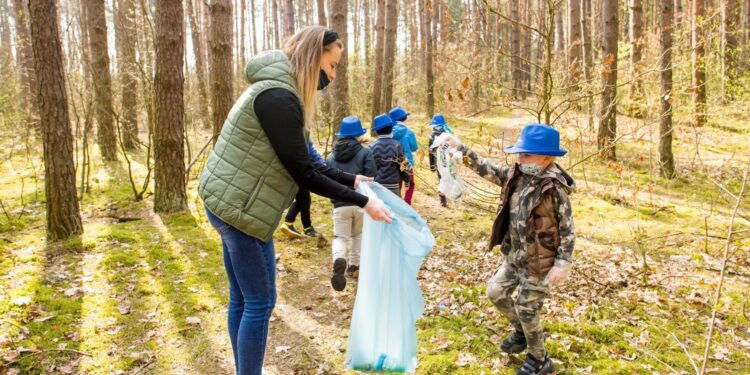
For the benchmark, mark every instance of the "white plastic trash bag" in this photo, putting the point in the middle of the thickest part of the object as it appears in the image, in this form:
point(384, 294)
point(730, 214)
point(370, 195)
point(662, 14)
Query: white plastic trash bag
point(383, 335)
point(450, 183)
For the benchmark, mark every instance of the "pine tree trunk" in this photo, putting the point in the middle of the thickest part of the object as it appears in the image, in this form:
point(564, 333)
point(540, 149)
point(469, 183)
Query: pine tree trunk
point(200, 68)
point(25, 58)
point(526, 49)
point(587, 58)
point(241, 59)
point(389, 55)
point(106, 136)
point(63, 213)
point(276, 27)
point(559, 30)
point(377, 86)
point(574, 44)
point(636, 48)
point(289, 16)
point(428, 47)
point(608, 111)
point(222, 91)
point(340, 86)
point(169, 163)
point(367, 32)
point(515, 51)
point(6, 49)
point(252, 23)
point(665, 63)
point(322, 13)
point(677, 13)
point(699, 69)
point(125, 32)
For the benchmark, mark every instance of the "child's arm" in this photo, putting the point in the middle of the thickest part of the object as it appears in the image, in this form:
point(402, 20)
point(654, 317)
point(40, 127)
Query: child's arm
point(484, 167)
point(565, 227)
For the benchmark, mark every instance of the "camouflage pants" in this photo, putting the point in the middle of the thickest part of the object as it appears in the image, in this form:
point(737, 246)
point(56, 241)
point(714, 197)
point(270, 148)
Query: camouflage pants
point(523, 311)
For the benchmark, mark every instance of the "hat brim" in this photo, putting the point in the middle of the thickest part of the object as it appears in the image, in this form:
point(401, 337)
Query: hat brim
point(520, 150)
point(352, 135)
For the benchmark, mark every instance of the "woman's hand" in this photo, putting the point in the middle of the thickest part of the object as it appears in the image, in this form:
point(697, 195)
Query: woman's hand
point(377, 211)
point(559, 273)
point(361, 178)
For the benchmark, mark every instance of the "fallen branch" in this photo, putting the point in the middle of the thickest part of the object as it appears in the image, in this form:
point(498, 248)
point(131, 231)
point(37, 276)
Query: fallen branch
point(723, 268)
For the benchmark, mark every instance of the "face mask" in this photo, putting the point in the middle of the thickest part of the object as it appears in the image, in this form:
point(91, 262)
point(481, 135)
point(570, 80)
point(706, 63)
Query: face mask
point(324, 81)
point(531, 169)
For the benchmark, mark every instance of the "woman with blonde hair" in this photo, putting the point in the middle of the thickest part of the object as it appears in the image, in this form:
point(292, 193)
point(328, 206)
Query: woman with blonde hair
point(259, 161)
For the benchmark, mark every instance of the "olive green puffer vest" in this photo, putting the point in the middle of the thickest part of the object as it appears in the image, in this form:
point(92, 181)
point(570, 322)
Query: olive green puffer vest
point(244, 183)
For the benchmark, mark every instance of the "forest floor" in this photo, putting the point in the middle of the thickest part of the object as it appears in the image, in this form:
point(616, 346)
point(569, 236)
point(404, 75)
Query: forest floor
point(140, 292)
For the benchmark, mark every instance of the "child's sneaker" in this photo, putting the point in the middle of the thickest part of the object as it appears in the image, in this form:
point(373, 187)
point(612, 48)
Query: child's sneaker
point(311, 232)
point(516, 343)
point(338, 281)
point(290, 231)
point(533, 366)
point(353, 271)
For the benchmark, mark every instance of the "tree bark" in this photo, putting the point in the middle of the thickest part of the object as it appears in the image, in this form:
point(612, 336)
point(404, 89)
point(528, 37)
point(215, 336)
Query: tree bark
point(665, 63)
point(574, 43)
point(379, 46)
point(241, 59)
point(63, 213)
point(252, 23)
point(222, 91)
point(699, 70)
point(340, 86)
point(730, 28)
point(428, 45)
point(6, 49)
point(608, 111)
point(125, 33)
point(322, 13)
point(677, 13)
point(389, 55)
point(25, 58)
point(367, 32)
point(515, 51)
point(636, 48)
point(106, 136)
point(559, 30)
point(200, 67)
point(276, 27)
point(169, 163)
point(289, 16)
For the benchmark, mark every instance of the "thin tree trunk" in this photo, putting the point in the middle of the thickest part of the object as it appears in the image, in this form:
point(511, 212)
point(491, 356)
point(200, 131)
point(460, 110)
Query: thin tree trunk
point(608, 111)
point(169, 163)
point(63, 213)
point(252, 23)
point(106, 136)
point(379, 46)
point(587, 58)
point(559, 30)
point(200, 68)
point(125, 32)
point(276, 26)
point(677, 13)
point(389, 55)
point(25, 58)
point(368, 32)
point(636, 48)
point(430, 79)
point(574, 43)
point(730, 26)
point(289, 16)
point(699, 69)
point(515, 51)
point(665, 63)
point(222, 91)
point(242, 58)
point(322, 13)
point(339, 18)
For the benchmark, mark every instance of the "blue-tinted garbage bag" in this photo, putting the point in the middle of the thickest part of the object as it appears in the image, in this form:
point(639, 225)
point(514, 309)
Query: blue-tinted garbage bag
point(383, 335)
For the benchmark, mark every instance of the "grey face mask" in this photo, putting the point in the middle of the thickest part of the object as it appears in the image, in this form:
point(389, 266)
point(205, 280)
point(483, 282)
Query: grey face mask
point(531, 169)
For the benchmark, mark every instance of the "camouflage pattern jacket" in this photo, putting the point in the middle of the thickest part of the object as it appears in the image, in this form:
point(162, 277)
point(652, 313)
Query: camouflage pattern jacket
point(543, 217)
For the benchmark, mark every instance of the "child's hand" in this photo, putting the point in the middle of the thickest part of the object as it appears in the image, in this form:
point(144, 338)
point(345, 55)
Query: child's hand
point(559, 273)
point(361, 178)
point(450, 140)
point(377, 211)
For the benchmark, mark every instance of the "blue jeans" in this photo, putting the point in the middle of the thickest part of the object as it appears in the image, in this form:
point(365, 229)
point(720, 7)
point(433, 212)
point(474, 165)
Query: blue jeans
point(251, 269)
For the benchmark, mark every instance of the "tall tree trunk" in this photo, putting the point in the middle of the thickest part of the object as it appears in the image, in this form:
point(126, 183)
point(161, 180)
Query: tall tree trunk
point(125, 32)
point(289, 17)
point(428, 46)
point(608, 111)
point(677, 13)
point(515, 51)
point(63, 213)
point(25, 57)
point(389, 55)
point(322, 13)
point(527, 50)
point(574, 43)
point(106, 136)
point(252, 23)
point(379, 46)
point(730, 28)
point(368, 32)
point(699, 69)
point(6, 49)
point(636, 48)
point(276, 27)
point(222, 91)
point(559, 30)
point(665, 63)
point(339, 18)
point(587, 58)
point(243, 10)
point(200, 68)
point(169, 163)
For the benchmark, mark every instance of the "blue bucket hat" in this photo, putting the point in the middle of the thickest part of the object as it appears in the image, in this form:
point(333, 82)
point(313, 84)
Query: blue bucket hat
point(398, 114)
point(351, 127)
point(538, 139)
point(438, 120)
point(381, 121)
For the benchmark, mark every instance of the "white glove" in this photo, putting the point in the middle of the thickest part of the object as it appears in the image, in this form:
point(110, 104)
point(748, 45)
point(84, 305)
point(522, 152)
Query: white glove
point(559, 272)
point(449, 139)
